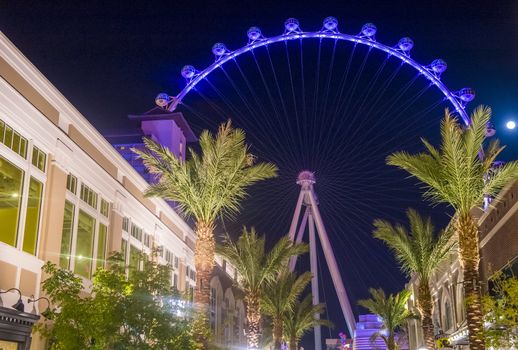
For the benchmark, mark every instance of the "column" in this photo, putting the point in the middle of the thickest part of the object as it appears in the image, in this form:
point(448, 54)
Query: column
point(53, 210)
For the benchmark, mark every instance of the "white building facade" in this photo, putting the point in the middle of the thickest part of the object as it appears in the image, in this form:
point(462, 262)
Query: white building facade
point(67, 195)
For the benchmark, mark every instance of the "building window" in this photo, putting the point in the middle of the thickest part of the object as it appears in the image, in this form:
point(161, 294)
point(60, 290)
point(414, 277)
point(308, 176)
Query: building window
point(39, 158)
point(447, 316)
point(85, 244)
point(212, 305)
point(175, 281)
point(66, 236)
point(125, 224)
point(32, 217)
point(124, 249)
point(176, 262)
point(72, 183)
point(169, 257)
point(13, 140)
point(105, 207)
point(136, 232)
point(11, 187)
point(101, 245)
point(88, 196)
point(134, 258)
point(147, 240)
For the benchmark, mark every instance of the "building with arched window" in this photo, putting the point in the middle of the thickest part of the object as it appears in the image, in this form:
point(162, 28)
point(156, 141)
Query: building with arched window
point(498, 251)
point(68, 196)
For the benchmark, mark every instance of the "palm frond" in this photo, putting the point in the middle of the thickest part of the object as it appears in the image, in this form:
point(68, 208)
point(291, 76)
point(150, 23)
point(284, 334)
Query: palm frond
point(281, 294)
point(456, 173)
point(209, 184)
point(419, 250)
point(392, 309)
point(254, 265)
point(302, 318)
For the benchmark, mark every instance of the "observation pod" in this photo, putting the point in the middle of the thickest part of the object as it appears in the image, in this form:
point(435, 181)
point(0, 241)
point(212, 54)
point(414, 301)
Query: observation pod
point(188, 72)
point(405, 44)
point(467, 94)
point(254, 33)
point(219, 49)
point(162, 99)
point(439, 66)
point(490, 129)
point(306, 177)
point(369, 30)
point(330, 23)
point(291, 25)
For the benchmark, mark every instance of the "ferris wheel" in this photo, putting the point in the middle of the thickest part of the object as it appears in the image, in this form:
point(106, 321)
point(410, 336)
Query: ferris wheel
point(329, 30)
point(300, 102)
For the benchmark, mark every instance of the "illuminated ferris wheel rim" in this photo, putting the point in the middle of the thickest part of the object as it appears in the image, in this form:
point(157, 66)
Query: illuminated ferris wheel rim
point(459, 99)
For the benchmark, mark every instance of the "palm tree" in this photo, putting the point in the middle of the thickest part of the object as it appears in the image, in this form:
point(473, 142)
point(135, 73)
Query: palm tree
point(206, 187)
point(419, 252)
point(392, 310)
point(256, 267)
point(458, 174)
point(280, 297)
point(301, 319)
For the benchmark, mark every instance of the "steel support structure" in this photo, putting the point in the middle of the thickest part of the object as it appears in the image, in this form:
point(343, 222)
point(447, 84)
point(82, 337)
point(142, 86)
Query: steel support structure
point(313, 220)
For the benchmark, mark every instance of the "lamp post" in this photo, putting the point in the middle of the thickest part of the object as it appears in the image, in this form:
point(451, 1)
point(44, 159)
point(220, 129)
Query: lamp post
point(45, 313)
point(19, 304)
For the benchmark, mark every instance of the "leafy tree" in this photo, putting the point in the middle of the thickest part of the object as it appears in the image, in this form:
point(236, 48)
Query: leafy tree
point(256, 267)
point(458, 174)
point(301, 319)
point(420, 252)
point(392, 310)
point(206, 186)
point(141, 312)
point(501, 313)
point(280, 297)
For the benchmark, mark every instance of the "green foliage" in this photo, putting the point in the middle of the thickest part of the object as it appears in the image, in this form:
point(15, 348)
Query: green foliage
point(256, 267)
point(392, 309)
point(200, 331)
point(443, 343)
point(282, 294)
point(280, 298)
point(207, 185)
point(455, 173)
point(417, 250)
point(301, 319)
point(501, 313)
point(141, 312)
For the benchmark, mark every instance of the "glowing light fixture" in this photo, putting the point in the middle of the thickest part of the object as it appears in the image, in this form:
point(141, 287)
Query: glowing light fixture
point(511, 124)
point(292, 30)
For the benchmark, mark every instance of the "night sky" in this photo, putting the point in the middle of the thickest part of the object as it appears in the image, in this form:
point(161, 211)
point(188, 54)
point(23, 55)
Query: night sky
point(327, 107)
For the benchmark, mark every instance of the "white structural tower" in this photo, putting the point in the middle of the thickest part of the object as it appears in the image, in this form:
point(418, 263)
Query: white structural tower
point(311, 217)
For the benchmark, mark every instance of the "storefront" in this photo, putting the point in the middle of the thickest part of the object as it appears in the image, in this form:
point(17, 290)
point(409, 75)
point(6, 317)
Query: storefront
point(16, 329)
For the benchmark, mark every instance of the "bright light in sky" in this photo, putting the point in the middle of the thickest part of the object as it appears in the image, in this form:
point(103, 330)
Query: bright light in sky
point(510, 124)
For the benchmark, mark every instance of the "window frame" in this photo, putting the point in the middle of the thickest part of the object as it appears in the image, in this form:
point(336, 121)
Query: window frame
point(132, 240)
point(29, 171)
point(80, 204)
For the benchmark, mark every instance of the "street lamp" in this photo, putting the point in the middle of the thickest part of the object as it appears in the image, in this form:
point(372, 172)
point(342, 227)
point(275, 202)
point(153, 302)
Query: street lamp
point(19, 304)
point(45, 313)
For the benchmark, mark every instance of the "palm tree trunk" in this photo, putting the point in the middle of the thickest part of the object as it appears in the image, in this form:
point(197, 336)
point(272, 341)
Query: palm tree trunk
point(391, 342)
point(253, 316)
point(470, 258)
point(277, 334)
point(425, 305)
point(204, 261)
point(293, 343)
